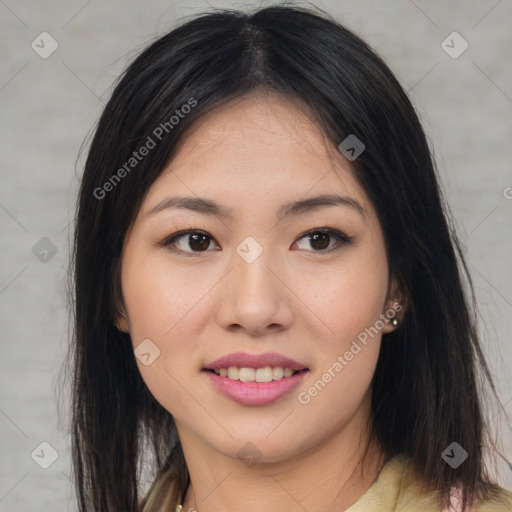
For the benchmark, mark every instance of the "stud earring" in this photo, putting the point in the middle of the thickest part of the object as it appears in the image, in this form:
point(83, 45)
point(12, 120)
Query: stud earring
point(394, 322)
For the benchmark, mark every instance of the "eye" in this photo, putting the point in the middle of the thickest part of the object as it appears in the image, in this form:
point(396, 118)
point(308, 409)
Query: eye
point(198, 241)
point(320, 239)
point(193, 241)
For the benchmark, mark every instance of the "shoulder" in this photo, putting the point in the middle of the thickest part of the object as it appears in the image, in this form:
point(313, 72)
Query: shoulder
point(498, 501)
point(397, 488)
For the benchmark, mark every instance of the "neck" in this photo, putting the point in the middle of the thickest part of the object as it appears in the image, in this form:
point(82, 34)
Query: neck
point(331, 475)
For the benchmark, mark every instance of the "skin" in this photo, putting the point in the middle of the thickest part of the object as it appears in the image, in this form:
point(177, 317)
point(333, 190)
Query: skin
point(305, 301)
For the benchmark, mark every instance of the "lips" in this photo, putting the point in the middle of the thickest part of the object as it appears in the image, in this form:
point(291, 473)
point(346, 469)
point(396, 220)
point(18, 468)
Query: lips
point(230, 376)
point(246, 360)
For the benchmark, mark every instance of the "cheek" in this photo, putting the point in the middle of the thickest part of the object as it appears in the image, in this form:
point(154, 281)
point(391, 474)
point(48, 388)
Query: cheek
point(350, 297)
point(165, 306)
point(171, 307)
point(349, 302)
point(163, 300)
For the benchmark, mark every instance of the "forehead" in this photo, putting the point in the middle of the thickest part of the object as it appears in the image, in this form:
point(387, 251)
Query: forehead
point(264, 124)
point(257, 150)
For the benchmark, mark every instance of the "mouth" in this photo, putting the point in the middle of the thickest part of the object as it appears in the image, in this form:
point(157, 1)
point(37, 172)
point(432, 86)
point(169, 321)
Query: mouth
point(255, 379)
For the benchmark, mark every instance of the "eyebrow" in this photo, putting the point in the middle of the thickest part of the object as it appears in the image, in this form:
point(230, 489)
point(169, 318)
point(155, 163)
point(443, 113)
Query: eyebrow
point(211, 207)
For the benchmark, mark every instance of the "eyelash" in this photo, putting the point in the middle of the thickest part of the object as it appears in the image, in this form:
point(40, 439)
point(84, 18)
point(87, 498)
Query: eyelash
point(340, 238)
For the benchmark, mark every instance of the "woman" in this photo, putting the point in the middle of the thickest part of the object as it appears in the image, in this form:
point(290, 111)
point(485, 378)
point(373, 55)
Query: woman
point(269, 297)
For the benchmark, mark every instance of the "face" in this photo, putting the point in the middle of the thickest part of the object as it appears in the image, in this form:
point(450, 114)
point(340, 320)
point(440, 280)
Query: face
point(257, 278)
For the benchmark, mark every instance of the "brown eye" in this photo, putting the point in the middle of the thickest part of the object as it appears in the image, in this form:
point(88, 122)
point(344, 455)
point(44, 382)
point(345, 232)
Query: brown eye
point(198, 242)
point(320, 239)
point(188, 242)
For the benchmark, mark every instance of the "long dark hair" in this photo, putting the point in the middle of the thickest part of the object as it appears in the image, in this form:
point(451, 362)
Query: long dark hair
point(425, 391)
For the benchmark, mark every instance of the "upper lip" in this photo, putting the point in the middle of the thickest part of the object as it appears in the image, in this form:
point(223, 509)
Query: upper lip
point(245, 360)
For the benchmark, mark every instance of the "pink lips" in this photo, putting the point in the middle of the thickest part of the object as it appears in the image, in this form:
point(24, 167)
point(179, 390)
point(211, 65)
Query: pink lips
point(245, 360)
point(255, 393)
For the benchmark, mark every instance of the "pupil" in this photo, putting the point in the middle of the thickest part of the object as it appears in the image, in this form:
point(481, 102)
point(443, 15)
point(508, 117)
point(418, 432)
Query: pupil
point(316, 236)
point(194, 239)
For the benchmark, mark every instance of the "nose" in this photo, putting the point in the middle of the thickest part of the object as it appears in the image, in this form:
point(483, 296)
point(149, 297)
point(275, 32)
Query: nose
point(256, 297)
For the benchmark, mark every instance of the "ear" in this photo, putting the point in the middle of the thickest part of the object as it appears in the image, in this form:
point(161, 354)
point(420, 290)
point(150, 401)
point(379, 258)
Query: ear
point(396, 305)
point(121, 322)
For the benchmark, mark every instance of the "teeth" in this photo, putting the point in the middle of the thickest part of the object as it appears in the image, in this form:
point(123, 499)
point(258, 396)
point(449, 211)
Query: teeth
point(277, 373)
point(246, 374)
point(233, 373)
point(265, 374)
point(288, 372)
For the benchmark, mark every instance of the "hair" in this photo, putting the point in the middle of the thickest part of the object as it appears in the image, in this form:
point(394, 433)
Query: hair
point(426, 388)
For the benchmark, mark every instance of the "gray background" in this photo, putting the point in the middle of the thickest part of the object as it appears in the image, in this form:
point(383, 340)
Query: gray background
point(49, 105)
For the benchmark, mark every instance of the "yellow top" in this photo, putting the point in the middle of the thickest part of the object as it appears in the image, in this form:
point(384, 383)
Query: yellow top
point(396, 490)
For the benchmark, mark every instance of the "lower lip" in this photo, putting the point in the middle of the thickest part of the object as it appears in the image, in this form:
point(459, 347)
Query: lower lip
point(255, 393)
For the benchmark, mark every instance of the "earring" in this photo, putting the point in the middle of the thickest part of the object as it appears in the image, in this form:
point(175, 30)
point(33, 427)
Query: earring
point(394, 321)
